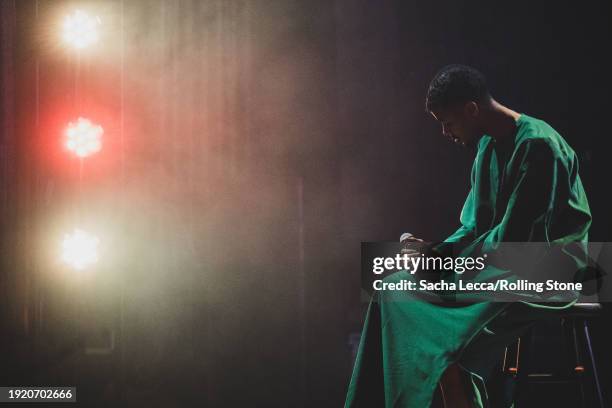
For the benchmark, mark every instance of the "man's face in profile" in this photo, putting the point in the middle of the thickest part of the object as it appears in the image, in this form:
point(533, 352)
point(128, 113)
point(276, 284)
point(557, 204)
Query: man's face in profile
point(460, 123)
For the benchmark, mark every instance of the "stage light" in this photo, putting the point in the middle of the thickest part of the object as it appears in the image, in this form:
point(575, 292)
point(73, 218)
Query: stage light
point(83, 137)
point(80, 249)
point(81, 30)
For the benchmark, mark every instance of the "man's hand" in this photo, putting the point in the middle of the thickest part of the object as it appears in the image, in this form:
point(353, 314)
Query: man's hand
point(411, 244)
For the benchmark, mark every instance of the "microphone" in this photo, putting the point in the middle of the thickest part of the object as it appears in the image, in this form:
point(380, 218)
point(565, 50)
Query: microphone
point(406, 236)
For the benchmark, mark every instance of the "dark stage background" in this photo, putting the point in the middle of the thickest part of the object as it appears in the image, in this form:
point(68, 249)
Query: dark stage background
point(249, 147)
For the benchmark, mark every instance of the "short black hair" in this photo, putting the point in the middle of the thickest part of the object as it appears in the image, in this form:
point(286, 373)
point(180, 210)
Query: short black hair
point(455, 84)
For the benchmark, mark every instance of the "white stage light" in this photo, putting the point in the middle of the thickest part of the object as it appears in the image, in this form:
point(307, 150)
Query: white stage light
point(80, 249)
point(80, 30)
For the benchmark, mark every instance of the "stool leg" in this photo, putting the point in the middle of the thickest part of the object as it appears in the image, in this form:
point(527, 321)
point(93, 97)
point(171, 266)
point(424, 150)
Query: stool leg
point(592, 356)
point(578, 367)
point(507, 388)
point(511, 362)
point(520, 375)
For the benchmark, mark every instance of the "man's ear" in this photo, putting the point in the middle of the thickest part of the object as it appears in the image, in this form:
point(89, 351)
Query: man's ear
point(471, 109)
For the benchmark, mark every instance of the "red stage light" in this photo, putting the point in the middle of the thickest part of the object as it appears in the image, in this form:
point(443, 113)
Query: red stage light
point(83, 137)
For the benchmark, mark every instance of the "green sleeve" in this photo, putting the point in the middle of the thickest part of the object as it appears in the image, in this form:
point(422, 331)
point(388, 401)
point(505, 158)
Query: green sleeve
point(541, 206)
point(465, 233)
point(466, 230)
point(538, 210)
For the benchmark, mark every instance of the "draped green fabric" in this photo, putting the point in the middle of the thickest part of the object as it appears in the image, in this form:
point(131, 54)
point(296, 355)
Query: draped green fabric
point(524, 190)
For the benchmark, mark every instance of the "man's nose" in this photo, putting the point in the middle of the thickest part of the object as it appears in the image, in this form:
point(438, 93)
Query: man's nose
point(445, 131)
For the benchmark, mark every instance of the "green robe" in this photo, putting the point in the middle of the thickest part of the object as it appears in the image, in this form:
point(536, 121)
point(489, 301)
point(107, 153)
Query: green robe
point(524, 190)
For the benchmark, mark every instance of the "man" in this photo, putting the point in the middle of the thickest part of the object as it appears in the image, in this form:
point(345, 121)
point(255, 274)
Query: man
point(524, 188)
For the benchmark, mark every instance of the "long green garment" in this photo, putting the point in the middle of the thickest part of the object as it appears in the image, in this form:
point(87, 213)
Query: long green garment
point(525, 190)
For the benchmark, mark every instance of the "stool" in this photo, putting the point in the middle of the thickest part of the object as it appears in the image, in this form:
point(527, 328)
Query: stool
point(517, 357)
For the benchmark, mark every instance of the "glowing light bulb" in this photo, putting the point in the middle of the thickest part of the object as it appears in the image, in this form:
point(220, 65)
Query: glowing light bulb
point(83, 137)
point(80, 249)
point(81, 30)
